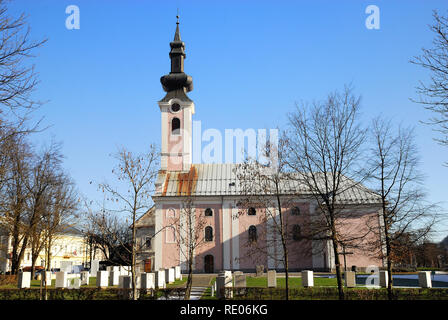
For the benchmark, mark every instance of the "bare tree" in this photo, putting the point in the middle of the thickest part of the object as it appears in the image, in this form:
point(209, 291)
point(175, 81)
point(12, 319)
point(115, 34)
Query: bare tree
point(59, 215)
point(435, 92)
point(264, 186)
point(14, 195)
point(45, 174)
point(324, 148)
point(17, 79)
point(188, 230)
point(109, 234)
point(396, 178)
point(137, 173)
point(35, 185)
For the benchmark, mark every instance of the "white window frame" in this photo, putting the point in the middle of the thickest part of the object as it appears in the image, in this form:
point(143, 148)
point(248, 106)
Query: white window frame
point(166, 234)
point(167, 215)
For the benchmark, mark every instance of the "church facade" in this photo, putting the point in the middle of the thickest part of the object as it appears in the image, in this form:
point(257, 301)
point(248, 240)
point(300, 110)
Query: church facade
point(214, 196)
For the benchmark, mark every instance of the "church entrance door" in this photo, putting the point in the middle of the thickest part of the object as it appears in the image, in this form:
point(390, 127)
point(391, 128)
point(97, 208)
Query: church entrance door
point(208, 264)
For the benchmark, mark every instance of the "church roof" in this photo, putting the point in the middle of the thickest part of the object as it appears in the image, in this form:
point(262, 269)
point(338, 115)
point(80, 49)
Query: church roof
point(222, 180)
point(147, 219)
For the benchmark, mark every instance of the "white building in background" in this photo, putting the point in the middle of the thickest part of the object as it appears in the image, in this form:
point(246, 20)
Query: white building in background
point(69, 245)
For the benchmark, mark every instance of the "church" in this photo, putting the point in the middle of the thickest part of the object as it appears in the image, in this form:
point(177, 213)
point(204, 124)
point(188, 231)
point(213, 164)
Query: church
point(215, 195)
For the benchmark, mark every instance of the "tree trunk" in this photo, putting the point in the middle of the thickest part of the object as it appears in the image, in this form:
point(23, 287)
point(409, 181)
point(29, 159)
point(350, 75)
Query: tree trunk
point(389, 264)
point(33, 264)
point(17, 256)
point(190, 277)
point(337, 259)
point(286, 272)
point(134, 280)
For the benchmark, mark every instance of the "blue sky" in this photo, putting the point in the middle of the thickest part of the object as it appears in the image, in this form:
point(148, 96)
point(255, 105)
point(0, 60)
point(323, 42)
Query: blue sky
point(250, 61)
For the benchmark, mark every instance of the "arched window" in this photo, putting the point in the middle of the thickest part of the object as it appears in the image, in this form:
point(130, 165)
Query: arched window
point(251, 211)
point(170, 213)
point(208, 233)
point(208, 212)
point(296, 232)
point(175, 126)
point(170, 235)
point(252, 233)
point(295, 211)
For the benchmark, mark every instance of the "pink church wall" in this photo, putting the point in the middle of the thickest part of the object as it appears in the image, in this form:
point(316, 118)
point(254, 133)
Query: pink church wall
point(170, 251)
point(250, 255)
point(300, 252)
point(214, 247)
point(175, 142)
point(364, 227)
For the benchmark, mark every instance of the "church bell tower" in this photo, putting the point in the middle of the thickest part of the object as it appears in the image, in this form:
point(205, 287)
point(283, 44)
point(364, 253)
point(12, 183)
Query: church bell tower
point(176, 111)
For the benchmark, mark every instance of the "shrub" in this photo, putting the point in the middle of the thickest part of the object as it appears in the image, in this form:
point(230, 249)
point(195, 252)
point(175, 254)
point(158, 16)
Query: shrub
point(8, 280)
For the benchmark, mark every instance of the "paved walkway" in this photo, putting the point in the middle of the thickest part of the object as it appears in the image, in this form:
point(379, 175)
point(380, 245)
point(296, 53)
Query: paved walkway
point(196, 294)
point(200, 283)
point(202, 280)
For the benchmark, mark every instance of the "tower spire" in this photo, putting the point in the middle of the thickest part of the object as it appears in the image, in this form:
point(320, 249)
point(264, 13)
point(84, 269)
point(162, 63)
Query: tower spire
point(177, 34)
point(177, 82)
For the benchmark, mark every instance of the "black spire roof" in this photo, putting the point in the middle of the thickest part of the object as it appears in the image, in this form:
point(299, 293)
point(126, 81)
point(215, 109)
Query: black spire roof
point(177, 83)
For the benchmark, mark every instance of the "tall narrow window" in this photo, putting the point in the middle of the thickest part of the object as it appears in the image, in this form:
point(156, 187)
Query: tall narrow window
point(208, 233)
point(251, 211)
point(170, 213)
point(296, 232)
point(175, 126)
point(148, 242)
point(295, 211)
point(252, 233)
point(170, 235)
point(208, 212)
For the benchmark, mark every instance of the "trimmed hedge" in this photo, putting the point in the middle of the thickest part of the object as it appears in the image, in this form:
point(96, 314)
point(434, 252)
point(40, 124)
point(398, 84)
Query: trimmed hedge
point(331, 293)
point(316, 293)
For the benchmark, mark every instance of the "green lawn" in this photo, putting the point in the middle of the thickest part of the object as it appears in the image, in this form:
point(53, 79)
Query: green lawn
point(177, 283)
point(262, 282)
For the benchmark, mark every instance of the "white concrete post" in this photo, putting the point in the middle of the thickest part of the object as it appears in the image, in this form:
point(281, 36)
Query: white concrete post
point(384, 279)
point(147, 280)
point(85, 276)
point(307, 278)
point(113, 278)
point(424, 279)
point(350, 279)
point(24, 280)
point(177, 273)
point(61, 280)
point(102, 279)
point(272, 279)
point(160, 279)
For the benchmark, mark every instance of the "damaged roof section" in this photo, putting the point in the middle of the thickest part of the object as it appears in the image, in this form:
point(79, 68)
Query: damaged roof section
point(200, 180)
point(177, 183)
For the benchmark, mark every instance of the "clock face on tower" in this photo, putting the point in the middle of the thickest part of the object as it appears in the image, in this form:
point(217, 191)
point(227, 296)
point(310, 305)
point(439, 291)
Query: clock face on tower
point(175, 107)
